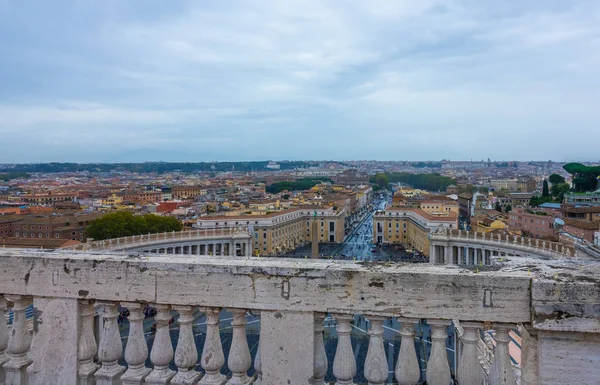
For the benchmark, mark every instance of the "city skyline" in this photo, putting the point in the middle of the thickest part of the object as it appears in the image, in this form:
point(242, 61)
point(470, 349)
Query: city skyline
point(235, 81)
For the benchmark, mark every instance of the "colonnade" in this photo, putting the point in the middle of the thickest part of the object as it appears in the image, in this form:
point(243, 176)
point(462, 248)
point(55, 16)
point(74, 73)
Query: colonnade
point(463, 255)
point(206, 248)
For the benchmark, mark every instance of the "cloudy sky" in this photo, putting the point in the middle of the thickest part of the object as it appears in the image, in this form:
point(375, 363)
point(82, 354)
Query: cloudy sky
point(112, 80)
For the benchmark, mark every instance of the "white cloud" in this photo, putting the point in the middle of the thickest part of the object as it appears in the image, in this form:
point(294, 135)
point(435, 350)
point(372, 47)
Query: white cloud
point(358, 77)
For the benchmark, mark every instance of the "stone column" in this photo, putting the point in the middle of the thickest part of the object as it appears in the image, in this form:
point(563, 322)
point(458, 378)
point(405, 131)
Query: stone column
point(239, 359)
point(529, 356)
point(432, 254)
point(287, 343)
point(186, 354)
point(110, 347)
point(15, 370)
point(438, 369)
point(212, 354)
point(136, 350)
point(162, 349)
point(87, 344)
point(376, 366)
point(320, 357)
point(258, 366)
point(501, 371)
point(3, 337)
point(344, 365)
point(407, 367)
point(55, 341)
point(469, 370)
point(448, 255)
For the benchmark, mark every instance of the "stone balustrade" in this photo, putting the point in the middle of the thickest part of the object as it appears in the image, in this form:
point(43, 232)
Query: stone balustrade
point(460, 247)
point(558, 303)
point(215, 241)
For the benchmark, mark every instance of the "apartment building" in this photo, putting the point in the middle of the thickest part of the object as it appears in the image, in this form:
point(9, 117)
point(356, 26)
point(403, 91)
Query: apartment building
point(283, 230)
point(533, 224)
point(583, 199)
point(49, 198)
point(45, 231)
point(409, 226)
point(184, 192)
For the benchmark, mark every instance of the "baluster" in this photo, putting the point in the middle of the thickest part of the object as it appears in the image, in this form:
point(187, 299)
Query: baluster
point(212, 354)
point(407, 368)
point(186, 354)
point(162, 348)
point(3, 335)
point(501, 371)
point(87, 344)
point(344, 365)
point(438, 369)
point(110, 347)
point(19, 342)
point(258, 366)
point(469, 370)
point(136, 350)
point(376, 367)
point(239, 355)
point(320, 357)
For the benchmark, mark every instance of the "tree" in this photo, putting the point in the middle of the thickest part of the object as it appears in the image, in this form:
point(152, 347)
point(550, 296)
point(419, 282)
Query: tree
point(431, 182)
point(559, 190)
point(545, 192)
point(382, 180)
point(584, 177)
point(556, 179)
point(285, 196)
point(498, 206)
point(507, 208)
point(123, 224)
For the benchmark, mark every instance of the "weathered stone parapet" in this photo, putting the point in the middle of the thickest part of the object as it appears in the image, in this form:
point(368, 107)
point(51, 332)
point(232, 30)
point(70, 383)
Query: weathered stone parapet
point(566, 302)
point(408, 290)
point(557, 300)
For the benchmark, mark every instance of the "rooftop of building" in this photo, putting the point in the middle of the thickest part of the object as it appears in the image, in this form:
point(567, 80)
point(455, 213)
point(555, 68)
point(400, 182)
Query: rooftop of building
point(550, 205)
point(451, 216)
point(585, 225)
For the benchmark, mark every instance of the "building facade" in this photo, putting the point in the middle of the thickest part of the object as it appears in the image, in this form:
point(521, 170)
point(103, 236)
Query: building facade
point(284, 230)
point(409, 226)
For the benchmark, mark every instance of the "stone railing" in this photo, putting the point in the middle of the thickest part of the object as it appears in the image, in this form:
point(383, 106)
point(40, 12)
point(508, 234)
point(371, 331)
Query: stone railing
point(146, 239)
point(508, 244)
point(292, 297)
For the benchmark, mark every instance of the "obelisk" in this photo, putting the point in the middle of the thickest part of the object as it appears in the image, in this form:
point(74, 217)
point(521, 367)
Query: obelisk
point(314, 249)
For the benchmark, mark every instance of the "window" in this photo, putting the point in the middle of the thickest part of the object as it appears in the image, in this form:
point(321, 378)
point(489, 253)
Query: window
point(17, 234)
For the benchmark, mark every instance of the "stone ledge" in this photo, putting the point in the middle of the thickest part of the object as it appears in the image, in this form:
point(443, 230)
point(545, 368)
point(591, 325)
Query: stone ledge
point(410, 290)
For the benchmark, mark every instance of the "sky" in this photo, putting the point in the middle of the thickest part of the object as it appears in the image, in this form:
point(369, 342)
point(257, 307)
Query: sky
point(116, 81)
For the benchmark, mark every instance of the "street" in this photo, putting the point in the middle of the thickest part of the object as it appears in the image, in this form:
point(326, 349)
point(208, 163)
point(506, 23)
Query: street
point(358, 243)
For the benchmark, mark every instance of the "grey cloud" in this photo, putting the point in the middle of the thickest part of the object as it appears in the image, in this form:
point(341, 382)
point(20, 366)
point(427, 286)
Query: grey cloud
point(298, 79)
